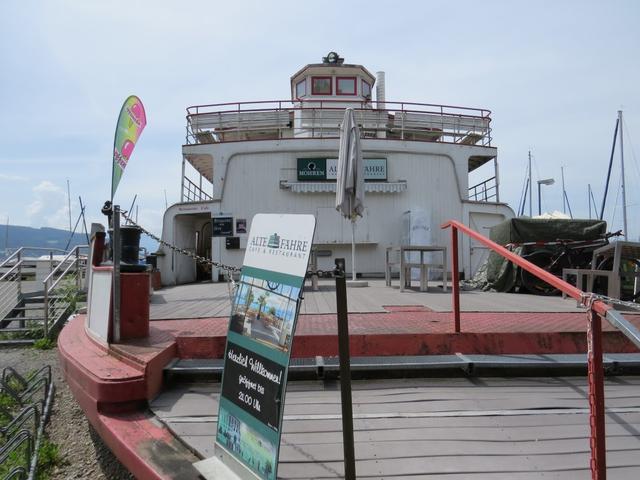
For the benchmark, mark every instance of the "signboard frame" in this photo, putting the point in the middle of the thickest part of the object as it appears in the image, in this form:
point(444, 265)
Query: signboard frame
point(259, 341)
point(222, 226)
point(323, 169)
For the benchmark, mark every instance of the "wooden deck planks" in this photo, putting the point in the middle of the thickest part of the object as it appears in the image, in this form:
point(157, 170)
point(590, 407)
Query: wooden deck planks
point(482, 433)
point(201, 300)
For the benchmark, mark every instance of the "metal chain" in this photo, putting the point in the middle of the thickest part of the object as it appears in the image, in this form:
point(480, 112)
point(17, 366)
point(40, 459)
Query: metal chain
point(230, 269)
point(588, 299)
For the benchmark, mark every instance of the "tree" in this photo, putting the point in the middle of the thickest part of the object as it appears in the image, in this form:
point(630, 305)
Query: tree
point(262, 301)
point(249, 300)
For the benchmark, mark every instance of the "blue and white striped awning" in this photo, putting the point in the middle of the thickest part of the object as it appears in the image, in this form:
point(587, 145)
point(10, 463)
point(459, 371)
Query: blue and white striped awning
point(330, 187)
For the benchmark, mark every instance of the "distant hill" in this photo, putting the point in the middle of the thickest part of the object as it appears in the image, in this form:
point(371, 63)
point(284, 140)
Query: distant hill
point(37, 237)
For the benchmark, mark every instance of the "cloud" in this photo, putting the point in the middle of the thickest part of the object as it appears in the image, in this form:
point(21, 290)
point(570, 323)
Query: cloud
point(13, 178)
point(48, 206)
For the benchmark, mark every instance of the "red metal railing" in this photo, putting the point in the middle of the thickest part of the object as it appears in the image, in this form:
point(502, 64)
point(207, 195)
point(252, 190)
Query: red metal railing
point(596, 310)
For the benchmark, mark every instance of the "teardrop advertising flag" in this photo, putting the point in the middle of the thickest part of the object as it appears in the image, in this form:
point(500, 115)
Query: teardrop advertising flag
point(131, 122)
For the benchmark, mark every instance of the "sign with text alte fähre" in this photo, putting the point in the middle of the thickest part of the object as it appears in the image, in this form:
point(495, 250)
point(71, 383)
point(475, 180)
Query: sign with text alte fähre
point(261, 327)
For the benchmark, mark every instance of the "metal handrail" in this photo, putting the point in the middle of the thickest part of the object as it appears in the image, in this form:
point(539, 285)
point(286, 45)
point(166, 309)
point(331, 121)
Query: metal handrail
point(485, 113)
point(58, 270)
point(596, 310)
point(8, 272)
point(10, 257)
point(62, 262)
point(444, 112)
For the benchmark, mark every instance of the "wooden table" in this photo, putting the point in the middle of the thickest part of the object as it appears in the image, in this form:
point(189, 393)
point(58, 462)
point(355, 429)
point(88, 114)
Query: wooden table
point(406, 266)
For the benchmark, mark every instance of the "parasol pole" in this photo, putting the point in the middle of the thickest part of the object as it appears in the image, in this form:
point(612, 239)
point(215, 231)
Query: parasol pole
point(353, 248)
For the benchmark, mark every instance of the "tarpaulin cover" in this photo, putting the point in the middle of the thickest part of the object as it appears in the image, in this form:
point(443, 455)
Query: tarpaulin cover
point(502, 274)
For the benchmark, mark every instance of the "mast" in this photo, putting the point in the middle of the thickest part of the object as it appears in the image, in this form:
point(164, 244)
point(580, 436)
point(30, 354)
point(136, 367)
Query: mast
point(606, 185)
point(530, 190)
point(564, 192)
point(69, 203)
point(624, 193)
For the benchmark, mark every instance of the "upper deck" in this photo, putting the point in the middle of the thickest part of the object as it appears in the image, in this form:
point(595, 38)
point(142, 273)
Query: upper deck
point(320, 93)
point(321, 118)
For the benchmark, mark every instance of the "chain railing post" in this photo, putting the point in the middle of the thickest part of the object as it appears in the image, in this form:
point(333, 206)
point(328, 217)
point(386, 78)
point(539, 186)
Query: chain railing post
point(455, 280)
point(596, 397)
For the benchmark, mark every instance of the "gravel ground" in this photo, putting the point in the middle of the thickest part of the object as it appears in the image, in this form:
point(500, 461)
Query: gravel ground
point(83, 453)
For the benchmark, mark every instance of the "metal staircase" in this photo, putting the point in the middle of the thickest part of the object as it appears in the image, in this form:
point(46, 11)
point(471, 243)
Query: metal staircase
point(38, 293)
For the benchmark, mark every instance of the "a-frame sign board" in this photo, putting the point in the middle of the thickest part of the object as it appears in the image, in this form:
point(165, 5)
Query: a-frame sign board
point(256, 361)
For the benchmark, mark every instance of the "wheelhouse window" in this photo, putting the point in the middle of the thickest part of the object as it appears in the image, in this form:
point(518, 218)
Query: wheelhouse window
point(301, 88)
point(346, 85)
point(366, 89)
point(321, 86)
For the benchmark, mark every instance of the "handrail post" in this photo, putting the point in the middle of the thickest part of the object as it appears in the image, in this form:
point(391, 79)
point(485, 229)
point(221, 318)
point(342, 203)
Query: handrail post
point(19, 273)
point(596, 397)
point(455, 280)
point(78, 279)
point(46, 307)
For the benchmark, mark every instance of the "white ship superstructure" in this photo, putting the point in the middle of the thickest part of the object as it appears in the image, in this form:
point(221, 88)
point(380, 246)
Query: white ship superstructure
point(245, 158)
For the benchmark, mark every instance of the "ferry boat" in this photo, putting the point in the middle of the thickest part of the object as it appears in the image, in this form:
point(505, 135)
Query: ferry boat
point(243, 158)
point(142, 389)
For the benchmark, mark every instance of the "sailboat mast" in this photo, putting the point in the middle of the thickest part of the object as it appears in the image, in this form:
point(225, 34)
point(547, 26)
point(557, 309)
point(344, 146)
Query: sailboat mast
point(69, 203)
point(564, 192)
point(624, 190)
point(530, 190)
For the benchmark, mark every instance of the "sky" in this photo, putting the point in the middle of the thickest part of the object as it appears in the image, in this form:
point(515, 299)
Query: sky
point(553, 73)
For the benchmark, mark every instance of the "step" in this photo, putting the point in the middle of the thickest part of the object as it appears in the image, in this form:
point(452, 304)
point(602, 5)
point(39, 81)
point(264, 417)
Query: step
point(362, 367)
point(18, 319)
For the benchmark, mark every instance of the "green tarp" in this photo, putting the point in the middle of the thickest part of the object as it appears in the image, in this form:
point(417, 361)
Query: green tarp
point(502, 275)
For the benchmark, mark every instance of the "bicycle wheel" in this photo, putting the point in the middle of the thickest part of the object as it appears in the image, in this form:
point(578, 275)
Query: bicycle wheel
point(627, 265)
point(543, 259)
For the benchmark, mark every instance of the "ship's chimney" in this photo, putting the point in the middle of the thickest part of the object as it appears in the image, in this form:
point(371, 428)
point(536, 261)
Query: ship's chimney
point(380, 90)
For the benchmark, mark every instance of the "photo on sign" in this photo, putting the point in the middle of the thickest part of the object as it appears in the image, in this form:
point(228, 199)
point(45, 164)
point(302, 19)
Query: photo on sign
point(241, 225)
point(247, 445)
point(265, 311)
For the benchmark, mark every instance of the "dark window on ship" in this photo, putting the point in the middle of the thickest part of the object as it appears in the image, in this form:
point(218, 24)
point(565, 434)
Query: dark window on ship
point(301, 88)
point(346, 85)
point(321, 86)
point(366, 89)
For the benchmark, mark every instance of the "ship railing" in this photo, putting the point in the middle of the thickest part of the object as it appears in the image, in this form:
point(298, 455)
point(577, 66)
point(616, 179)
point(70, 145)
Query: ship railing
point(63, 289)
point(484, 191)
point(596, 311)
point(192, 192)
point(277, 119)
point(10, 282)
